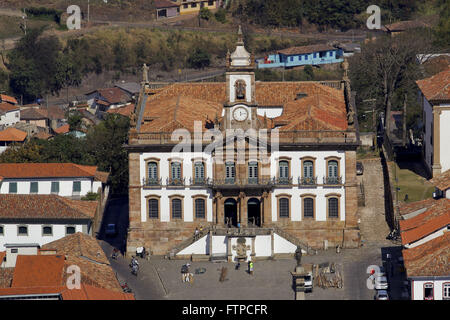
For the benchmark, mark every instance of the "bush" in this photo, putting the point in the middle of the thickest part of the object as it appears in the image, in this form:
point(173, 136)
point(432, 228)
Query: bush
point(90, 196)
point(221, 15)
point(199, 59)
point(205, 14)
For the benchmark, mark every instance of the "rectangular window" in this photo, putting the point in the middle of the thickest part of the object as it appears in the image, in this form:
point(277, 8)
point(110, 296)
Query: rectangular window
point(428, 291)
point(194, 5)
point(333, 207)
point(76, 187)
point(284, 207)
point(253, 172)
point(22, 231)
point(306, 57)
point(199, 171)
point(230, 172)
point(70, 230)
point(47, 231)
point(153, 209)
point(176, 170)
point(34, 187)
point(308, 204)
point(210, 3)
point(291, 58)
point(13, 187)
point(55, 187)
point(185, 6)
point(2, 230)
point(176, 209)
point(446, 291)
point(315, 55)
point(200, 208)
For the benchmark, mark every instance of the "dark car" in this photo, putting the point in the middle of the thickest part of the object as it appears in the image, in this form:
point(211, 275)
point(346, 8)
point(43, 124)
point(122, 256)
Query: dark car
point(359, 168)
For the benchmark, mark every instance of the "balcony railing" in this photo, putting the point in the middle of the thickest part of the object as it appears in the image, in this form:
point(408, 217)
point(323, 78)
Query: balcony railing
point(307, 181)
point(282, 181)
point(240, 182)
point(149, 182)
point(332, 180)
point(198, 181)
point(175, 182)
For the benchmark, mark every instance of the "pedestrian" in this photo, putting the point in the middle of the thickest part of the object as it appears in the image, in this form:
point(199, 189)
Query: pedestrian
point(238, 265)
point(196, 233)
point(251, 267)
point(201, 229)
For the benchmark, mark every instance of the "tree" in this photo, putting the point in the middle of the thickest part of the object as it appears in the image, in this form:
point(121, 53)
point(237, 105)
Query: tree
point(205, 14)
point(221, 15)
point(75, 120)
point(199, 59)
point(387, 68)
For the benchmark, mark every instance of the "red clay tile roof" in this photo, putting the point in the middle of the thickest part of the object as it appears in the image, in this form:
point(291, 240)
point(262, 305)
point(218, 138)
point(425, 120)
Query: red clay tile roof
point(424, 224)
point(38, 271)
point(13, 134)
point(43, 135)
point(113, 95)
point(46, 170)
point(416, 205)
point(429, 259)
point(306, 49)
point(442, 181)
point(86, 292)
point(7, 107)
point(9, 99)
point(159, 4)
point(178, 105)
point(32, 206)
point(437, 87)
point(78, 245)
point(406, 25)
point(63, 129)
point(124, 111)
point(101, 176)
point(33, 114)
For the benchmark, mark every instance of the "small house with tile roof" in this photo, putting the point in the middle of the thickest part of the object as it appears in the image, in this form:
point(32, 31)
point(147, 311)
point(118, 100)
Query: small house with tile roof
point(424, 230)
point(267, 166)
point(434, 97)
point(301, 56)
point(41, 219)
point(11, 136)
point(63, 179)
point(442, 184)
point(9, 114)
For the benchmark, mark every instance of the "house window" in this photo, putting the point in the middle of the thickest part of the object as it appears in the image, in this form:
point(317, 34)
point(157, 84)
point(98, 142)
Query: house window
point(47, 231)
point(55, 187)
point(185, 6)
point(210, 3)
point(2, 230)
point(315, 55)
point(152, 168)
point(283, 173)
point(230, 172)
point(199, 172)
point(428, 291)
point(153, 208)
point(177, 208)
point(200, 208)
point(70, 230)
point(176, 170)
point(76, 189)
point(193, 5)
point(333, 207)
point(332, 171)
point(446, 291)
point(283, 204)
point(13, 187)
point(306, 57)
point(22, 231)
point(252, 172)
point(291, 58)
point(34, 187)
point(308, 169)
point(308, 207)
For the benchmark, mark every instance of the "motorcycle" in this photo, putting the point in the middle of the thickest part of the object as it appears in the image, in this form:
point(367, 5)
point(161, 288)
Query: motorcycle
point(126, 288)
point(134, 269)
point(114, 255)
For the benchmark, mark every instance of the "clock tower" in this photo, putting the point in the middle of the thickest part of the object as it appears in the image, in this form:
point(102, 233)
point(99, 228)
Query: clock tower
point(240, 110)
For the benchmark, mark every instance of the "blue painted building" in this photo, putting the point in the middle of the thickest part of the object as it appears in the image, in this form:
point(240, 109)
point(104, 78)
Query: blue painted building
point(300, 56)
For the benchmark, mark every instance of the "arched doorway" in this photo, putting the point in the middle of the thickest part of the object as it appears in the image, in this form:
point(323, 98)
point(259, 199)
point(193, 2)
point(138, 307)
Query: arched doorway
point(254, 212)
point(231, 212)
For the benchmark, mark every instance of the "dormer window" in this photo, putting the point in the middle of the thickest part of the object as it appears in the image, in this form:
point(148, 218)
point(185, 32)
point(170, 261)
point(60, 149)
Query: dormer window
point(240, 87)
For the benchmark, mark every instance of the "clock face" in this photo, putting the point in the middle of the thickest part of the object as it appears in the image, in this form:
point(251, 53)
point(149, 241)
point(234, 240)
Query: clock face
point(240, 114)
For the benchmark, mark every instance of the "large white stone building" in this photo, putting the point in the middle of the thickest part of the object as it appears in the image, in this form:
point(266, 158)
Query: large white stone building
point(434, 96)
point(262, 167)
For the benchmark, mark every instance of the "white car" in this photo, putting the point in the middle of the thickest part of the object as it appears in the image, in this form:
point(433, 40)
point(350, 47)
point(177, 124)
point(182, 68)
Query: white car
point(382, 295)
point(381, 283)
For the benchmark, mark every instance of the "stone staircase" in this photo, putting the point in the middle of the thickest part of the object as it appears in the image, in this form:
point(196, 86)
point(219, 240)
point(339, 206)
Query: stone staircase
point(293, 239)
point(186, 243)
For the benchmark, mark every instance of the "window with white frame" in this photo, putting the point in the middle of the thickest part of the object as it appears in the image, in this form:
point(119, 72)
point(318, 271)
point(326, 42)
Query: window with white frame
point(70, 230)
point(76, 189)
point(230, 172)
point(55, 187)
point(22, 230)
point(446, 291)
point(176, 170)
point(13, 187)
point(428, 291)
point(34, 187)
point(47, 230)
point(2, 230)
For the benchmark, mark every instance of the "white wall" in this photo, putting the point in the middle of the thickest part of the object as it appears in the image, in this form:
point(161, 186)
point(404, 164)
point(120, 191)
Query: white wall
point(10, 118)
point(198, 247)
point(263, 246)
point(219, 244)
point(281, 245)
point(44, 186)
point(270, 112)
point(417, 289)
point(444, 139)
point(34, 234)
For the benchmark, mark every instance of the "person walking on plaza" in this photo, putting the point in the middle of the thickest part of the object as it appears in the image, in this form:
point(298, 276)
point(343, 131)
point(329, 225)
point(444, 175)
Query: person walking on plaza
point(196, 234)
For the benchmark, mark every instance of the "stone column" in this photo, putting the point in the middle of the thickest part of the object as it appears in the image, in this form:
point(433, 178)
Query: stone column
point(243, 214)
point(253, 247)
point(210, 243)
point(229, 255)
point(272, 242)
point(436, 165)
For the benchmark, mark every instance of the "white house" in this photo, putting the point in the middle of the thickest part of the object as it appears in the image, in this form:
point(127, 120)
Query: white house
point(41, 219)
point(9, 114)
point(434, 97)
point(442, 184)
point(63, 179)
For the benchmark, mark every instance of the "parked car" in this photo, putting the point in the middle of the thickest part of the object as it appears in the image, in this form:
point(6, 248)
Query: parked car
point(381, 295)
point(359, 168)
point(111, 230)
point(381, 283)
